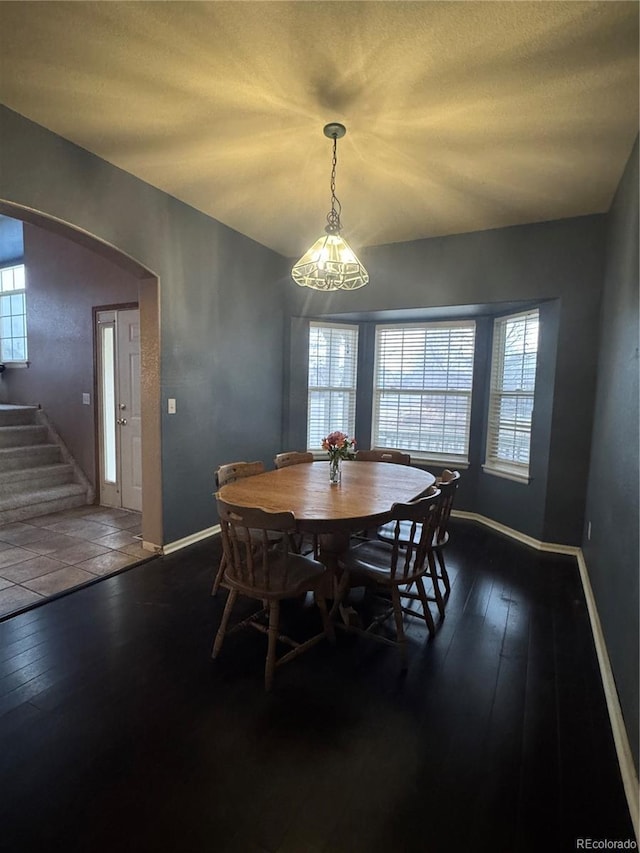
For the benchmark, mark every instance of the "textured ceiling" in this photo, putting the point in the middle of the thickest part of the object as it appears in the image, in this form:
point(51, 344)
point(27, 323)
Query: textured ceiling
point(460, 116)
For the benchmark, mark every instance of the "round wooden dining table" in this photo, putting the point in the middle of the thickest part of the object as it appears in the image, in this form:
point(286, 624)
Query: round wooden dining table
point(331, 513)
point(364, 497)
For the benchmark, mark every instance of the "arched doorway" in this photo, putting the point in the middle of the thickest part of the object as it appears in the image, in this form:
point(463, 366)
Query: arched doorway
point(149, 304)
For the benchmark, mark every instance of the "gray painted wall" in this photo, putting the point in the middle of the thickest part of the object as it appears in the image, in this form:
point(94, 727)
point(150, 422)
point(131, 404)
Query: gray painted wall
point(64, 282)
point(612, 555)
point(222, 299)
point(560, 261)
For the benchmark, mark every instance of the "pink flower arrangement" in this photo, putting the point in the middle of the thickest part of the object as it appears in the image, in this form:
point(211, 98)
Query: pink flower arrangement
point(338, 445)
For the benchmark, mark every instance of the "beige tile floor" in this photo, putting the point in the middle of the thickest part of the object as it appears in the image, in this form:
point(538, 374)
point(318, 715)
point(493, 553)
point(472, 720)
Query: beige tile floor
point(47, 555)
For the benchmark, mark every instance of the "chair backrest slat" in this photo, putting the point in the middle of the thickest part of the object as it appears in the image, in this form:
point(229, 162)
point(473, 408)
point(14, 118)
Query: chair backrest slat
point(396, 456)
point(237, 470)
point(292, 457)
point(409, 552)
point(448, 483)
point(247, 545)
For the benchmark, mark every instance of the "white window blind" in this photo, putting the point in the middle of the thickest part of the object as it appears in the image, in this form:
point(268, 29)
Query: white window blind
point(513, 379)
point(13, 314)
point(422, 388)
point(333, 361)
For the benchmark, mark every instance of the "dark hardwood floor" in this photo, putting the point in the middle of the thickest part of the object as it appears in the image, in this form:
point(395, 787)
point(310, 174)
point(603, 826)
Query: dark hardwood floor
point(118, 733)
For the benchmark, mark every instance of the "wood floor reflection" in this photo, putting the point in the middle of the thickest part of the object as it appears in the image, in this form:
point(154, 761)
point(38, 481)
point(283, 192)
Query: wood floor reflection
point(118, 732)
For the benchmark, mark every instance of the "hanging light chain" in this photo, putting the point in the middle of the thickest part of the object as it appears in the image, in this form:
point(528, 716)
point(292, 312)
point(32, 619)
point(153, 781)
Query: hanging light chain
point(333, 217)
point(330, 263)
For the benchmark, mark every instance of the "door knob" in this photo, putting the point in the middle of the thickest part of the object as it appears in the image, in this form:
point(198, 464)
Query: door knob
point(122, 421)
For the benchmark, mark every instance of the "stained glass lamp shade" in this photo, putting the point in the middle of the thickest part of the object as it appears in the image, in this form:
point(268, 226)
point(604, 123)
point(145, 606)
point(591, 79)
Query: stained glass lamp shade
point(331, 263)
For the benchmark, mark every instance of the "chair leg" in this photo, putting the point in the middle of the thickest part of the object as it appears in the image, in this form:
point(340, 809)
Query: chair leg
point(402, 641)
point(339, 591)
point(274, 622)
point(219, 575)
point(428, 618)
point(222, 630)
point(327, 623)
point(443, 570)
point(433, 572)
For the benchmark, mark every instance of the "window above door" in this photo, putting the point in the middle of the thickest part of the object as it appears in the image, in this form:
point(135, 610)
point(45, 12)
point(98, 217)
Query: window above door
point(13, 316)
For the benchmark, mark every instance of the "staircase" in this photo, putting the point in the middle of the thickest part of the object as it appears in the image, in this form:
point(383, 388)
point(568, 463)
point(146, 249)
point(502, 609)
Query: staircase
point(37, 474)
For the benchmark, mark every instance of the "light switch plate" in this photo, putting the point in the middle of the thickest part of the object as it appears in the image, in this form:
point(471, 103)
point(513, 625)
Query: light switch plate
point(171, 405)
point(86, 399)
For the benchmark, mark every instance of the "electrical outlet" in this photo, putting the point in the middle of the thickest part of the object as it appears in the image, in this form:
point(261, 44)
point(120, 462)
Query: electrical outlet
point(171, 405)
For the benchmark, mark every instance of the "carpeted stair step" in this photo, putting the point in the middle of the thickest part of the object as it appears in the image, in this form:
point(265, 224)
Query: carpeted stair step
point(23, 435)
point(33, 479)
point(29, 456)
point(31, 504)
point(17, 415)
point(36, 475)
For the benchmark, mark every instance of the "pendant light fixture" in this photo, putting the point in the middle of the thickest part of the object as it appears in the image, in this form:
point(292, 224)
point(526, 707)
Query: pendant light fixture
point(331, 263)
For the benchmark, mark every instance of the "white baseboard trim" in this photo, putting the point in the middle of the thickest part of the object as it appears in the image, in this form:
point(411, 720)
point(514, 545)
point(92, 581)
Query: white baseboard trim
point(190, 540)
point(551, 547)
point(620, 737)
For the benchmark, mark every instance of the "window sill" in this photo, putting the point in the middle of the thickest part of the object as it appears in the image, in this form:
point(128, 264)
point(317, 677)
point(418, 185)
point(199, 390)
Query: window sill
point(10, 365)
point(416, 460)
point(439, 461)
point(507, 474)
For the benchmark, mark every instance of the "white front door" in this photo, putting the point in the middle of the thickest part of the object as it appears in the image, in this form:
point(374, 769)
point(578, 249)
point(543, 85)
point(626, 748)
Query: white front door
point(119, 408)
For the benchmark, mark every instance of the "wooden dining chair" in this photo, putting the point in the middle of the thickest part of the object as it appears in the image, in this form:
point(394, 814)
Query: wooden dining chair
point(396, 456)
point(269, 573)
point(392, 567)
point(448, 483)
point(303, 543)
point(292, 457)
point(229, 474)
